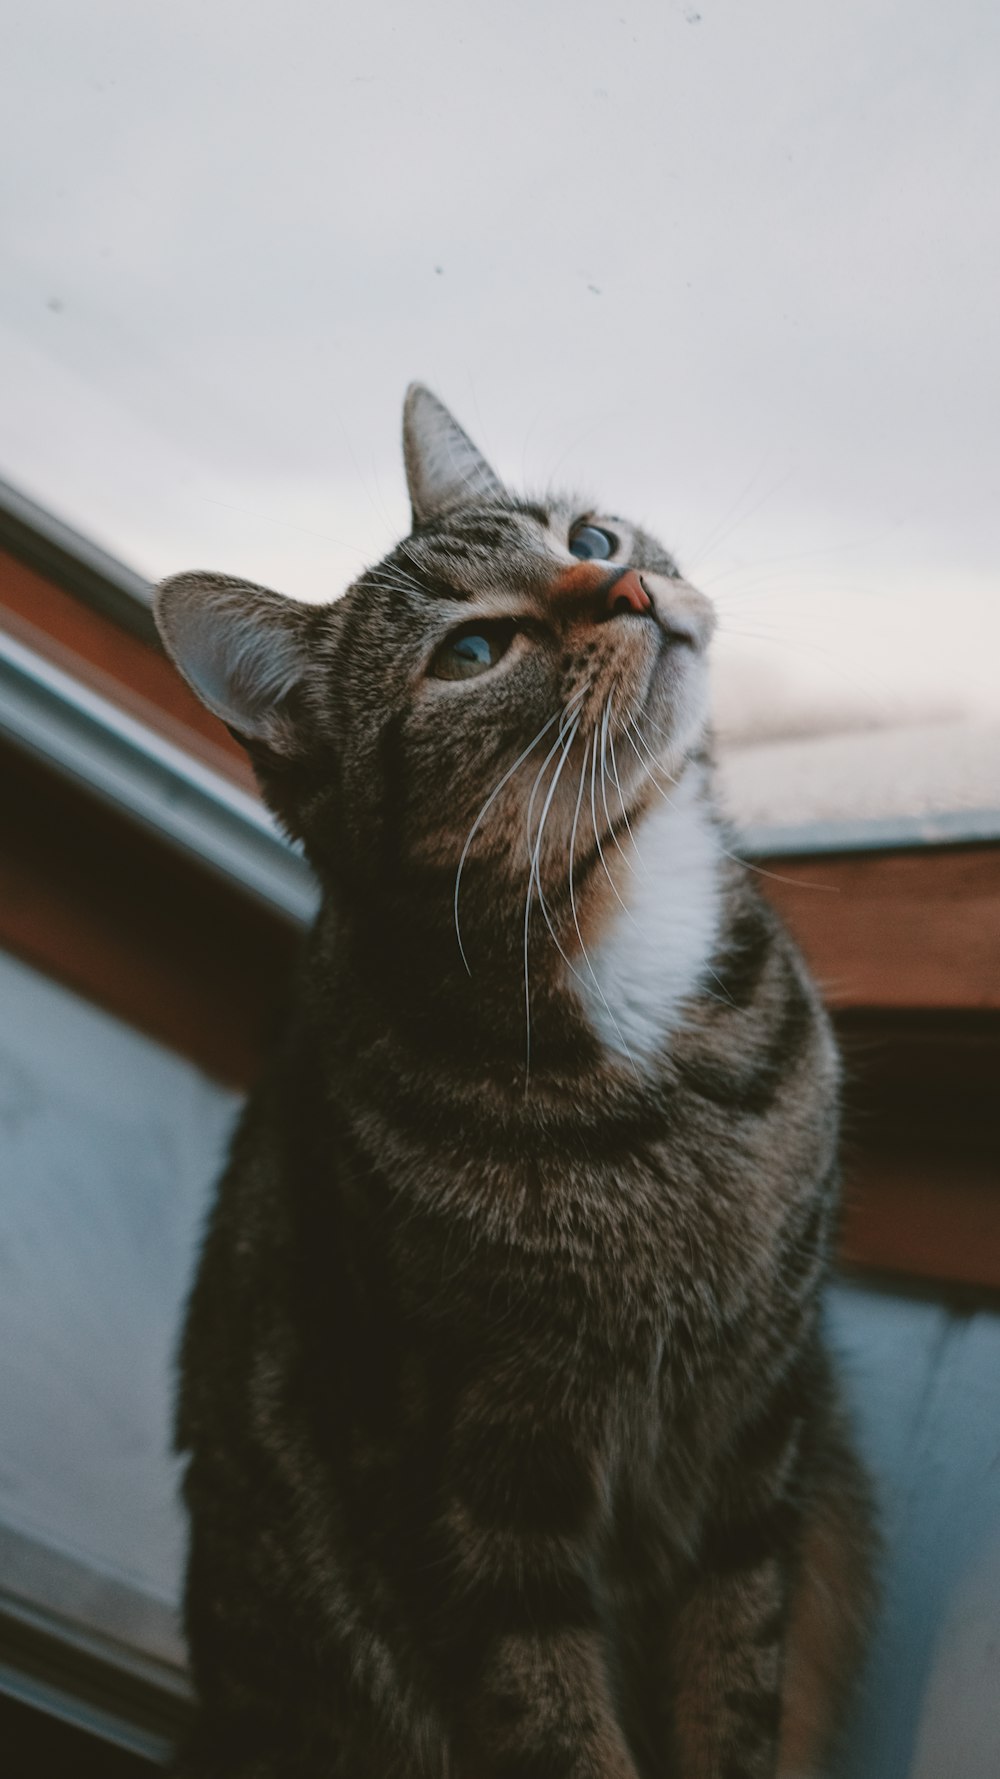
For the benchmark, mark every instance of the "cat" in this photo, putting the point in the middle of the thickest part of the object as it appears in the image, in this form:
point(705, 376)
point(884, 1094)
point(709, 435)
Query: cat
point(513, 1447)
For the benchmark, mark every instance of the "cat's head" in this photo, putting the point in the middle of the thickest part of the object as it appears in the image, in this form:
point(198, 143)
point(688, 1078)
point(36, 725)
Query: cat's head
point(496, 694)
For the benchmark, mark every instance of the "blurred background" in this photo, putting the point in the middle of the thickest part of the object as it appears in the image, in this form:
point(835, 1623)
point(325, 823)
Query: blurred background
point(732, 269)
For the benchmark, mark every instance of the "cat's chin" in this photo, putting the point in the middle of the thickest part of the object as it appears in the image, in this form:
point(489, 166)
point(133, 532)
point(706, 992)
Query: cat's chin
point(672, 717)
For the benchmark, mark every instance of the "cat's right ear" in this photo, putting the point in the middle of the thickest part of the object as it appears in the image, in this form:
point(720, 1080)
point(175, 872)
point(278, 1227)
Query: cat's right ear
point(444, 468)
point(243, 649)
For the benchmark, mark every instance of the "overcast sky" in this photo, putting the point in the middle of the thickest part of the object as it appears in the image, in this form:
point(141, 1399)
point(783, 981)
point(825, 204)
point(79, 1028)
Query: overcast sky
point(733, 268)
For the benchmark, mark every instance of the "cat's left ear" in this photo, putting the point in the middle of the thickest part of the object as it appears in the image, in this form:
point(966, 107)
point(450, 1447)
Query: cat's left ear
point(443, 467)
point(243, 649)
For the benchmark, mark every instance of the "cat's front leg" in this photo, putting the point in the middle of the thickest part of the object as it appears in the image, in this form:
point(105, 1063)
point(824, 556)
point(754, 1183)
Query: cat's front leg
point(540, 1706)
point(728, 1663)
point(729, 1636)
point(766, 1648)
point(524, 1518)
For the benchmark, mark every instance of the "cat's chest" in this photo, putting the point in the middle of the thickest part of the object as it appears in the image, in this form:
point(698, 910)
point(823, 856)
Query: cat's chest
point(655, 946)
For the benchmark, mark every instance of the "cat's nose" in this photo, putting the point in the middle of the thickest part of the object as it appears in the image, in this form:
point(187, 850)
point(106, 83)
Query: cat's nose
point(625, 593)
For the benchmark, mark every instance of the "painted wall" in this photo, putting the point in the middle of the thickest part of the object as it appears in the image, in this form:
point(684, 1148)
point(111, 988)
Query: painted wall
point(108, 1145)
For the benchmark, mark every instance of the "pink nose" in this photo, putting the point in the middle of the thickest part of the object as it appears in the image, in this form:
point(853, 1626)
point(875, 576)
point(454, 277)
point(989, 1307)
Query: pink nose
point(625, 594)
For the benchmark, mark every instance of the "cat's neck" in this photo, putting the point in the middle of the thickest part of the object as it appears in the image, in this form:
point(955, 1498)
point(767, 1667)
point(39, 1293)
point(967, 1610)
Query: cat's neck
point(654, 950)
point(608, 979)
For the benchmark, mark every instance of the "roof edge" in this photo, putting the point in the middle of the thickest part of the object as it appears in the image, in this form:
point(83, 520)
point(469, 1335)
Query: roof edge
point(43, 542)
point(93, 743)
point(946, 827)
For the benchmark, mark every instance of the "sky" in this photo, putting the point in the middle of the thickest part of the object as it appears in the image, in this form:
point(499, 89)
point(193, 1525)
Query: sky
point(729, 268)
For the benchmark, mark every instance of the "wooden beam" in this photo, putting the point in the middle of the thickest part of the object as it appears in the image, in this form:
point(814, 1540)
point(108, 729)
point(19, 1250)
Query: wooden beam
point(919, 928)
point(922, 1144)
point(98, 904)
point(901, 1216)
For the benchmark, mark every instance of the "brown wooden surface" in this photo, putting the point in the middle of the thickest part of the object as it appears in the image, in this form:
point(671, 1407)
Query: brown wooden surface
point(119, 666)
point(95, 902)
point(922, 1143)
point(915, 928)
point(922, 1223)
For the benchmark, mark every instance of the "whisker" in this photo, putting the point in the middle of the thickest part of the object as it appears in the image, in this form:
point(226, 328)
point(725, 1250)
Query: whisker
point(840, 549)
point(534, 874)
point(576, 919)
point(567, 714)
point(390, 576)
point(605, 722)
point(593, 817)
point(554, 718)
point(633, 736)
point(660, 731)
point(735, 857)
point(534, 860)
point(397, 580)
point(621, 798)
point(536, 852)
point(840, 666)
point(707, 541)
point(721, 537)
point(541, 898)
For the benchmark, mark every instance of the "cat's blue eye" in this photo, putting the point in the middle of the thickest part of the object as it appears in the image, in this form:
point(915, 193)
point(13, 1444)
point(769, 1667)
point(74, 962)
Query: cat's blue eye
point(472, 651)
point(591, 544)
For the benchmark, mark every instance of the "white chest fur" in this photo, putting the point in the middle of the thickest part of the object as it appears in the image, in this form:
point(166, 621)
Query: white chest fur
point(654, 950)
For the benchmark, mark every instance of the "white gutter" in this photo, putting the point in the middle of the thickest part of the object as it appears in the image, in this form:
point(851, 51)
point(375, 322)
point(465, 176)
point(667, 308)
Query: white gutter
point(86, 738)
point(879, 834)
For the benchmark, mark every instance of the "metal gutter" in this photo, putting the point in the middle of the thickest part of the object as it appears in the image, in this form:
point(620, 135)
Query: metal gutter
point(957, 827)
point(84, 737)
point(90, 1648)
point(63, 1703)
point(64, 556)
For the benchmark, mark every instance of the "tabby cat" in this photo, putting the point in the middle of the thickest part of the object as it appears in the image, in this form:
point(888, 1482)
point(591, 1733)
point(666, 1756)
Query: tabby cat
point(513, 1447)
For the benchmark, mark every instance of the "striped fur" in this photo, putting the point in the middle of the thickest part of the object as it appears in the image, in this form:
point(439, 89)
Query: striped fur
point(512, 1444)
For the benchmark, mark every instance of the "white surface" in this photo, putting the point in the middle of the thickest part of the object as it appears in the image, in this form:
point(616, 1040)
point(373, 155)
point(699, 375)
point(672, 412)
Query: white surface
point(914, 771)
point(926, 1384)
point(108, 1143)
point(733, 267)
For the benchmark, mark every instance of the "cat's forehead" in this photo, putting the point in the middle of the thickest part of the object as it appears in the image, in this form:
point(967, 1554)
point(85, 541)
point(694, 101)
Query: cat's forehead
point(483, 542)
point(512, 544)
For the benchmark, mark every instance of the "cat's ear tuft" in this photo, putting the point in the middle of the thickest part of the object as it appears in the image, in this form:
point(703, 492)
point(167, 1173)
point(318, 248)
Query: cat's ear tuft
point(242, 649)
point(443, 467)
